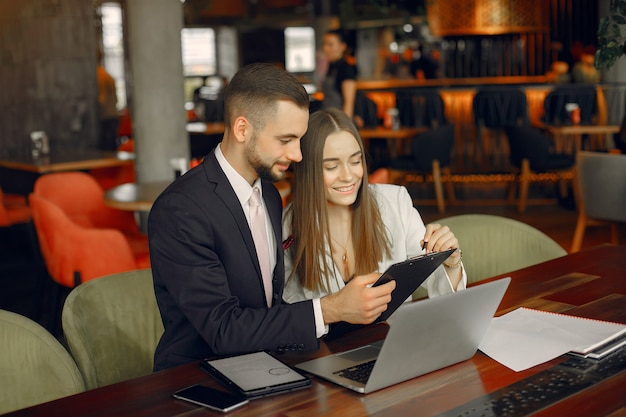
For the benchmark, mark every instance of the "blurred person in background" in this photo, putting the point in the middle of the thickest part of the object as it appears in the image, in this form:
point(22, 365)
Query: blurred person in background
point(107, 108)
point(339, 85)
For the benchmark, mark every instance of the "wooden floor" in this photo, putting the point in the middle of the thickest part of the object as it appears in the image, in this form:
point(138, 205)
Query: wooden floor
point(554, 216)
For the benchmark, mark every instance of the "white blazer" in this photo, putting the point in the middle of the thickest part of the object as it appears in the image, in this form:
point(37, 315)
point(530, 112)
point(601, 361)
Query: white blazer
point(405, 228)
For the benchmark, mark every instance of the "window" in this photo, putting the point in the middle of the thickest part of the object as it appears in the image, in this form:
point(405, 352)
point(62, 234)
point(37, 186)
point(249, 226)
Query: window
point(300, 49)
point(113, 47)
point(198, 49)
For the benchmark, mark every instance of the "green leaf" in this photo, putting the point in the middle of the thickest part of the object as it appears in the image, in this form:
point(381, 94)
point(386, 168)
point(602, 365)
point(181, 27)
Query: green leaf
point(619, 19)
point(611, 46)
point(615, 31)
point(603, 26)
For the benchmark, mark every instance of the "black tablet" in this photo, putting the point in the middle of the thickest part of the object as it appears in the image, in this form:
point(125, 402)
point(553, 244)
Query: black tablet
point(409, 275)
point(257, 374)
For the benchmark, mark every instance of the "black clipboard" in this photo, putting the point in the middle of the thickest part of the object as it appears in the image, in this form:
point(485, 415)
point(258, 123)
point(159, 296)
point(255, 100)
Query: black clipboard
point(409, 275)
point(256, 374)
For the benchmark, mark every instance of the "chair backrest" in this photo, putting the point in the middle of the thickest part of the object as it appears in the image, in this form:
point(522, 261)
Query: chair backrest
point(68, 248)
point(384, 100)
point(34, 366)
point(494, 245)
point(601, 181)
point(583, 95)
point(527, 142)
point(422, 107)
point(497, 107)
point(435, 143)
point(81, 198)
point(112, 326)
point(365, 108)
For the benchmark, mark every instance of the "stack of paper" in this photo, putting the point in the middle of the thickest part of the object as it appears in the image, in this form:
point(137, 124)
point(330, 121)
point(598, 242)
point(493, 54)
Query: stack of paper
point(524, 337)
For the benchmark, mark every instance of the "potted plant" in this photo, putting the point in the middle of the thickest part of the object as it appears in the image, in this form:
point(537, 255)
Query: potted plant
point(611, 46)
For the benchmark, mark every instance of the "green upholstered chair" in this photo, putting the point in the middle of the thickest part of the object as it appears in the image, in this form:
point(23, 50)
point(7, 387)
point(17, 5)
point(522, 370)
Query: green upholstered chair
point(494, 245)
point(112, 326)
point(34, 366)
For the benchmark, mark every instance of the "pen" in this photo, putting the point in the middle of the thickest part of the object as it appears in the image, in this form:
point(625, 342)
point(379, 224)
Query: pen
point(424, 245)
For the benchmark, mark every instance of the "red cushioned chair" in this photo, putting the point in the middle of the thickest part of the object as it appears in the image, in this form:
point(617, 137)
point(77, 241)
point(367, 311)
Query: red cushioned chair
point(79, 196)
point(76, 253)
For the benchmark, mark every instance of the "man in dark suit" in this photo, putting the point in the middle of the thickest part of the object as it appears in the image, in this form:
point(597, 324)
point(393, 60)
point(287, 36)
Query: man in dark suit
point(207, 275)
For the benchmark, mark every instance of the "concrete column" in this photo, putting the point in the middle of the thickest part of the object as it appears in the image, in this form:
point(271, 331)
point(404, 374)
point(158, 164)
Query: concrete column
point(157, 83)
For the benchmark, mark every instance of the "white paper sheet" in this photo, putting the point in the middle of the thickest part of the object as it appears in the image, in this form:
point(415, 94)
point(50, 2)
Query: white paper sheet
point(522, 339)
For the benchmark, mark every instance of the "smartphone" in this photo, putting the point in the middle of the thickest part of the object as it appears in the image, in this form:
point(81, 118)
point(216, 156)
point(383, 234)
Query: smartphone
point(211, 398)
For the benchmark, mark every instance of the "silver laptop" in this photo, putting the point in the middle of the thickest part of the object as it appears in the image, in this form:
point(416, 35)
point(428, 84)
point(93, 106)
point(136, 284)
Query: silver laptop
point(424, 336)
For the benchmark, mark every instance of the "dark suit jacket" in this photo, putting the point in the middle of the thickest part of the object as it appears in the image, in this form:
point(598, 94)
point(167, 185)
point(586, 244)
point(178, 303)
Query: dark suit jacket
point(207, 278)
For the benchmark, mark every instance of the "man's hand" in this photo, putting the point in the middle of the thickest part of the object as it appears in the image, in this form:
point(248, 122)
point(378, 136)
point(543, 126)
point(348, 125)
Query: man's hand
point(358, 302)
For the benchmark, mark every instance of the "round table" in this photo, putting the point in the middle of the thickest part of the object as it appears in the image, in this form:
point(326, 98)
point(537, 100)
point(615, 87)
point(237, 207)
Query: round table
point(134, 196)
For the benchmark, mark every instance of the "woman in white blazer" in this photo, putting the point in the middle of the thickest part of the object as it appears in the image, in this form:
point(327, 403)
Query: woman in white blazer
point(338, 226)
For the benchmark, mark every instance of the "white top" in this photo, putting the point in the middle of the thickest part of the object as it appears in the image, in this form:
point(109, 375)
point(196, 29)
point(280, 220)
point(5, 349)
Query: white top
point(405, 228)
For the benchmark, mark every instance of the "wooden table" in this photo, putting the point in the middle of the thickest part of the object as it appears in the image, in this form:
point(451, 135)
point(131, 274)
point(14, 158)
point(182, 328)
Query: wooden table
point(396, 138)
point(562, 133)
point(201, 128)
point(141, 196)
point(69, 161)
point(19, 173)
point(134, 197)
point(590, 283)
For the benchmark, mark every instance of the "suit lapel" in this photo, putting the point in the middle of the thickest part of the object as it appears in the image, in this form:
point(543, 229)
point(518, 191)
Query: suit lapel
point(225, 192)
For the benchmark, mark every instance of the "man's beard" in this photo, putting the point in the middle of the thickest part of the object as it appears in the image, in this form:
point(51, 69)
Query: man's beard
point(263, 171)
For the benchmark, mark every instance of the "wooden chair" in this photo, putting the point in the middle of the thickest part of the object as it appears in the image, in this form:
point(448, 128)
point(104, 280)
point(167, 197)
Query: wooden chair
point(591, 102)
point(554, 105)
point(384, 101)
point(494, 108)
point(600, 190)
point(531, 156)
point(430, 154)
point(421, 107)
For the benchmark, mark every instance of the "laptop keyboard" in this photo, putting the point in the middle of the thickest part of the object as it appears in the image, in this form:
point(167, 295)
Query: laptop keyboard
point(359, 373)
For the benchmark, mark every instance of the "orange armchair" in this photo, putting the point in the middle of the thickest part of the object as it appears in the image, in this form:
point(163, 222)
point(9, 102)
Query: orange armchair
point(81, 198)
point(74, 253)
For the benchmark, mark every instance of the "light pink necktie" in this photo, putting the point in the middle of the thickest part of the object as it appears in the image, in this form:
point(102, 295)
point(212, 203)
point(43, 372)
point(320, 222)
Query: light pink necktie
point(259, 234)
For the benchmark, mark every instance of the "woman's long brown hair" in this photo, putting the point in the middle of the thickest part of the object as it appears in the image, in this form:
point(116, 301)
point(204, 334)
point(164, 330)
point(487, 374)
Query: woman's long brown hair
point(309, 215)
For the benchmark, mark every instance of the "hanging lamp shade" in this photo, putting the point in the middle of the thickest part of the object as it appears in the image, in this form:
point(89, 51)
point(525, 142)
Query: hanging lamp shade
point(485, 17)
